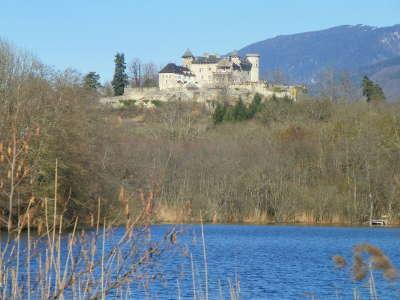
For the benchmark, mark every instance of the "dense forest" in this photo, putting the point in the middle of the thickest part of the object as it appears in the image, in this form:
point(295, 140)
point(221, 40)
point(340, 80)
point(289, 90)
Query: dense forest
point(260, 161)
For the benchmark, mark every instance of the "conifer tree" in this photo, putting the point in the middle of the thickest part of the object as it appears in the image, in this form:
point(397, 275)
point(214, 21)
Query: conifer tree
point(92, 80)
point(219, 113)
point(372, 91)
point(120, 80)
point(255, 106)
point(239, 111)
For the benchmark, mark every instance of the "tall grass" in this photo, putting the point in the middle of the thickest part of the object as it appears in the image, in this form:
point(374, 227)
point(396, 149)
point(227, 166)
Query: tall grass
point(366, 260)
point(79, 264)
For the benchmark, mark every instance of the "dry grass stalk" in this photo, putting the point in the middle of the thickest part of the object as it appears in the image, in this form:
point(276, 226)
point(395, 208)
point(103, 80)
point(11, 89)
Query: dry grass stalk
point(339, 261)
point(377, 261)
point(88, 265)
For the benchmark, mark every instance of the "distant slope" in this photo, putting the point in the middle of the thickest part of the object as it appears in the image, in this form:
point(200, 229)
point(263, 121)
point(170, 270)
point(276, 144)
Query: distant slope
point(351, 48)
point(387, 74)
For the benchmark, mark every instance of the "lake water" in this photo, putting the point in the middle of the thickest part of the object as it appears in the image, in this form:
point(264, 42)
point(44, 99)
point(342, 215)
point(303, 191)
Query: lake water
point(257, 262)
point(275, 262)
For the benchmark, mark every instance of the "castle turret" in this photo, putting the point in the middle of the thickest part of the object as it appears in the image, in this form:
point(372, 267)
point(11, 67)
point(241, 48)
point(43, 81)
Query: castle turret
point(254, 59)
point(188, 58)
point(234, 56)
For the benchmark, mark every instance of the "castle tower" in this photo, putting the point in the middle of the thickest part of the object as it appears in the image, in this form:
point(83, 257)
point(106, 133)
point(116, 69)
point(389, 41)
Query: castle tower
point(254, 59)
point(188, 58)
point(234, 56)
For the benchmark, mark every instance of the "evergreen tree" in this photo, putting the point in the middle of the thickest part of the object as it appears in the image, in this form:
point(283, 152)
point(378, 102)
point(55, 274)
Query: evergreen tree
point(372, 91)
point(120, 80)
point(92, 81)
point(239, 111)
point(255, 106)
point(219, 113)
point(229, 114)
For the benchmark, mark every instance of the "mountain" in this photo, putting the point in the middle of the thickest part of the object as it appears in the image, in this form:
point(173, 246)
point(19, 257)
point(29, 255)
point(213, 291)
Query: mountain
point(387, 73)
point(354, 49)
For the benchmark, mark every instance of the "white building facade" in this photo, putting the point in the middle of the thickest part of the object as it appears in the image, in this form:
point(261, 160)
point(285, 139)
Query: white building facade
point(210, 71)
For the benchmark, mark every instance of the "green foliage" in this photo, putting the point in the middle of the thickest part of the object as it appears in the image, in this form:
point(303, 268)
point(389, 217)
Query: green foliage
point(92, 81)
point(238, 112)
point(219, 113)
point(372, 91)
point(157, 103)
point(128, 103)
point(120, 80)
point(255, 106)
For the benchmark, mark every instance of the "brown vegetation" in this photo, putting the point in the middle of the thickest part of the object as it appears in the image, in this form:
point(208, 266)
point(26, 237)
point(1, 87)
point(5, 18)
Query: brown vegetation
point(310, 162)
point(48, 117)
point(313, 161)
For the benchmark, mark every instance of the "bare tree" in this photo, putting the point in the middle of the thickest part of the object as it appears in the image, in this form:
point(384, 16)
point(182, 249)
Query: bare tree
point(135, 72)
point(150, 75)
point(328, 84)
point(347, 88)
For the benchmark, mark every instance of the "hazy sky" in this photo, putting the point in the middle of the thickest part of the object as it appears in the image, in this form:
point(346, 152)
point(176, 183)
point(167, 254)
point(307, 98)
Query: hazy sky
point(86, 34)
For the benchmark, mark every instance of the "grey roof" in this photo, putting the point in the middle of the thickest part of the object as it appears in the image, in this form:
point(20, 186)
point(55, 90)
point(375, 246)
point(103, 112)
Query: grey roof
point(224, 63)
point(187, 53)
point(173, 68)
point(211, 59)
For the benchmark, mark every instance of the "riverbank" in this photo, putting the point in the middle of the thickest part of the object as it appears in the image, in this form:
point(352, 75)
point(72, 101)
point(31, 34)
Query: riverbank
point(170, 216)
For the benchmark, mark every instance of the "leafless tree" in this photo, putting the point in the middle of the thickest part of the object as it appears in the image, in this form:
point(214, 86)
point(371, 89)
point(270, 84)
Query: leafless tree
point(150, 75)
point(135, 72)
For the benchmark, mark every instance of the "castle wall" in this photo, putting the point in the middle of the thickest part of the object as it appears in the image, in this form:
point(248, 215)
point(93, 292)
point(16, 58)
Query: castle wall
point(172, 80)
point(204, 73)
point(208, 75)
point(167, 80)
point(240, 76)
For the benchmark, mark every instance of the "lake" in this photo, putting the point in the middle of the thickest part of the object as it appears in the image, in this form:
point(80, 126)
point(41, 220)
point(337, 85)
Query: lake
point(274, 262)
point(246, 262)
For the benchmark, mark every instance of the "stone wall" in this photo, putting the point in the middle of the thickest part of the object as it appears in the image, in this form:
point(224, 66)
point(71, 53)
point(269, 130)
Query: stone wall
point(245, 91)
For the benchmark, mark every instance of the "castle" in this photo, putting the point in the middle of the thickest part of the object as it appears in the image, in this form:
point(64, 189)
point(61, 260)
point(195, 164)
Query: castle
point(206, 78)
point(210, 71)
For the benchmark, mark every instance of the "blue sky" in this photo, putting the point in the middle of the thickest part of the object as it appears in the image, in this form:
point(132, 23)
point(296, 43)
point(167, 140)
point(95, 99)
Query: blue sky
point(86, 34)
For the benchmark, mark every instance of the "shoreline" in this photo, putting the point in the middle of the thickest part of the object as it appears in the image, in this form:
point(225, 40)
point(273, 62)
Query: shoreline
point(339, 225)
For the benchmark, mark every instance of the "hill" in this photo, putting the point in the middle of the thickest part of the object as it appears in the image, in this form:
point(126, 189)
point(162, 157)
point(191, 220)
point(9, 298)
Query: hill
point(303, 56)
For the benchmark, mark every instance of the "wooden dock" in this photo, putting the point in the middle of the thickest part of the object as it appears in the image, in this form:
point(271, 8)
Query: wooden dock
point(378, 222)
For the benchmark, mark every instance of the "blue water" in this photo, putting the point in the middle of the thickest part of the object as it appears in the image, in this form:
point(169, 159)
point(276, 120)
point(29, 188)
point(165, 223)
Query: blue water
point(257, 262)
point(275, 262)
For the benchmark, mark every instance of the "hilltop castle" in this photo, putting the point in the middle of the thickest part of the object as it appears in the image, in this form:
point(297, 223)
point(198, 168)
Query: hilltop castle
point(206, 78)
point(210, 71)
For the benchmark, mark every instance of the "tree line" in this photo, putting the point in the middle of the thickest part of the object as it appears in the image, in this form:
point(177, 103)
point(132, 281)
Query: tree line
point(272, 160)
point(257, 160)
point(139, 75)
point(55, 137)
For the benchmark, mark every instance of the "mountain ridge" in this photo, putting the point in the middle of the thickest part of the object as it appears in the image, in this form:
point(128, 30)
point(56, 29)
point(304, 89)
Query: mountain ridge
point(345, 48)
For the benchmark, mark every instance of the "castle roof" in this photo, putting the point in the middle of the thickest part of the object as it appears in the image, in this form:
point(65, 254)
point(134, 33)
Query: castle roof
point(187, 53)
point(224, 63)
point(173, 68)
point(211, 59)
